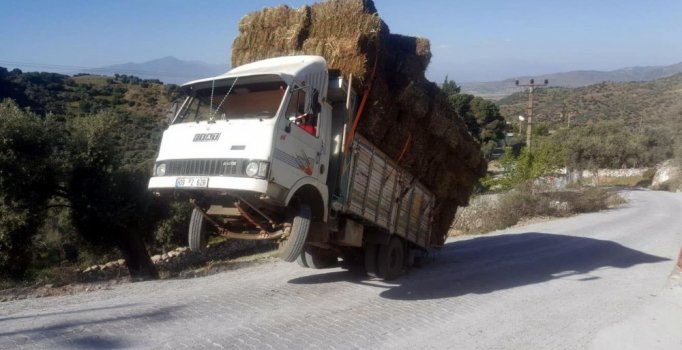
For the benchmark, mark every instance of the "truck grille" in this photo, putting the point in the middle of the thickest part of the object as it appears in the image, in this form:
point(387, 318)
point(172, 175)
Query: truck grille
point(205, 167)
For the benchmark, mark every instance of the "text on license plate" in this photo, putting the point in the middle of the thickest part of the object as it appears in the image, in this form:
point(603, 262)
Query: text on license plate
point(192, 181)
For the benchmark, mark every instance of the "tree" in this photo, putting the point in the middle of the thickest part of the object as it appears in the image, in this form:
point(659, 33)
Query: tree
point(77, 163)
point(613, 145)
point(450, 87)
point(488, 118)
point(27, 181)
point(110, 203)
point(482, 117)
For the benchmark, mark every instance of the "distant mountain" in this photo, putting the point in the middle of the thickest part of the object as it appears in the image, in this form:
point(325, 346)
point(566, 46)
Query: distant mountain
point(167, 69)
point(499, 89)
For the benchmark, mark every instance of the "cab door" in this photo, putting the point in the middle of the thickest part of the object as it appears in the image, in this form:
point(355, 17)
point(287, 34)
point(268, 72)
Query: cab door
point(300, 149)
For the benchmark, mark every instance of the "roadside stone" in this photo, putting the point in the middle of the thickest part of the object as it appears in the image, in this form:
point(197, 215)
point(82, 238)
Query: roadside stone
point(121, 262)
point(560, 206)
point(156, 259)
point(666, 173)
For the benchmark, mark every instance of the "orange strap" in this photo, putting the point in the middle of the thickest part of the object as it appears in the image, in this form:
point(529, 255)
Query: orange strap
point(405, 147)
point(365, 95)
point(402, 154)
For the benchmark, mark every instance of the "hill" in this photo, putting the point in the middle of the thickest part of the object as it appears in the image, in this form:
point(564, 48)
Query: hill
point(61, 94)
point(142, 103)
point(653, 103)
point(167, 69)
point(499, 89)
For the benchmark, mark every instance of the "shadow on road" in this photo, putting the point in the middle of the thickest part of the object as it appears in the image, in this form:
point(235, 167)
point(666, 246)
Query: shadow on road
point(47, 314)
point(76, 330)
point(492, 263)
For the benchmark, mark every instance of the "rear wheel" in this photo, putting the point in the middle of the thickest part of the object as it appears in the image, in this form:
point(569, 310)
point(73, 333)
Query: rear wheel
point(317, 258)
point(197, 233)
point(292, 247)
point(391, 259)
point(371, 252)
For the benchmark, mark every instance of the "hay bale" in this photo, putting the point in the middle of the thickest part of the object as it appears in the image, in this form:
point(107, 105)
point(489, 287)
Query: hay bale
point(403, 104)
point(275, 31)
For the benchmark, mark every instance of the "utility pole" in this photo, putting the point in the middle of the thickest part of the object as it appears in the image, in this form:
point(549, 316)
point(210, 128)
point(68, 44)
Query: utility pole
point(529, 126)
point(568, 114)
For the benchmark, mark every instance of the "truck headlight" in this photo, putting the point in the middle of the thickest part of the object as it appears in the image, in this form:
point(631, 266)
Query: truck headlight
point(252, 169)
point(257, 169)
point(160, 169)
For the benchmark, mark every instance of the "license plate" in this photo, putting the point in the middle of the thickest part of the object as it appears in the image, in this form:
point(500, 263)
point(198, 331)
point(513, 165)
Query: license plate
point(192, 182)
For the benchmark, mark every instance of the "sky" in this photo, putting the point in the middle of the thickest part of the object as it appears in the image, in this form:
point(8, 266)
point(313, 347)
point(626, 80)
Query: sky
point(471, 40)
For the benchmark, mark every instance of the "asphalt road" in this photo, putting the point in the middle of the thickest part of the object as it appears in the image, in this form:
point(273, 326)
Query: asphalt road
point(588, 281)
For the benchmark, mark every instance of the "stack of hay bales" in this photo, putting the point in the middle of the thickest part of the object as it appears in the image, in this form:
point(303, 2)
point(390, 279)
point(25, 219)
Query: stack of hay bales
point(401, 105)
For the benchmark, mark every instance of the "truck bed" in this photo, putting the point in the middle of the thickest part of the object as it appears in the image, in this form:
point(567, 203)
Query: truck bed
point(381, 194)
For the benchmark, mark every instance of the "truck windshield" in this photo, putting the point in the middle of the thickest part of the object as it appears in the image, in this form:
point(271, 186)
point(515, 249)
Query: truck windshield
point(255, 100)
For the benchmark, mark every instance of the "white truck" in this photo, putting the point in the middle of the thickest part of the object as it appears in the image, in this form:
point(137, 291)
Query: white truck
point(266, 152)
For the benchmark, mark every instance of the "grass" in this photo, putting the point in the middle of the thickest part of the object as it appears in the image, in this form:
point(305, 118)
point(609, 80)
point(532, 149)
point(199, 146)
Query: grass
point(628, 181)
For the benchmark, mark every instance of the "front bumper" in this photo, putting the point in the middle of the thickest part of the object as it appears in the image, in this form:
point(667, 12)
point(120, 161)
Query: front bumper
point(217, 183)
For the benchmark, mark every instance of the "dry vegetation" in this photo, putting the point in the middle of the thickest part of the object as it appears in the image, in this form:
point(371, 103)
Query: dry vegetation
point(494, 212)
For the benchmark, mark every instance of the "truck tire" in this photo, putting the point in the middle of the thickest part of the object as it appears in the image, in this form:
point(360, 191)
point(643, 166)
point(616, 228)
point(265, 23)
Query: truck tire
point(292, 247)
point(197, 234)
point(391, 259)
point(317, 259)
point(371, 252)
point(301, 261)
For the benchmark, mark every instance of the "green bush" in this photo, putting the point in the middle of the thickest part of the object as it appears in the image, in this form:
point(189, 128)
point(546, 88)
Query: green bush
point(527, 166)
point(172, 231)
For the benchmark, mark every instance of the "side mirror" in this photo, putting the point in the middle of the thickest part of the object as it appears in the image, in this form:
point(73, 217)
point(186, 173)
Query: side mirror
point(171, 112)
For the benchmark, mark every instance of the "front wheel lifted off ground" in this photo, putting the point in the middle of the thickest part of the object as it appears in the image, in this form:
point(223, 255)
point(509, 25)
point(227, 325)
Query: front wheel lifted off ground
point(292, 247)
point(197, 234)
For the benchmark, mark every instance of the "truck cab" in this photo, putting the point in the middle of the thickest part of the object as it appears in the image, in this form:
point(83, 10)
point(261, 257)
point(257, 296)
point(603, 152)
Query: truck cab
point(251, 149)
